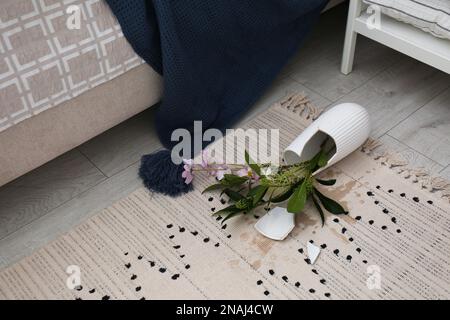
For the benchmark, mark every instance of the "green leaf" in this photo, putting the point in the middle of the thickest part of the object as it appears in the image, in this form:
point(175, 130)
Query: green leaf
point(256, 190)
point(283, 196)
point(314, 161)
point(257, 193)
point(329, 204)
point(231, 215)
point(233, 195)
point(247, 157)
point(297, 201)
point(232, 180)
point(230, 212)
point(213, 187)
point(318, 161)
point(319, 208)
point(277, 191)
point(255, 168)
point(229, 209)
point(228, 181)
point(323, 160)
point(326, 182)
point(252, 164)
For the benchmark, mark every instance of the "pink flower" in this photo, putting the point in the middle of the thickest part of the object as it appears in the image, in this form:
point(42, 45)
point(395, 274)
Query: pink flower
point(247, 172)
point(206, 164)
point(205, 159)
point(187, 173)
point(222, 171)
point(243, 172)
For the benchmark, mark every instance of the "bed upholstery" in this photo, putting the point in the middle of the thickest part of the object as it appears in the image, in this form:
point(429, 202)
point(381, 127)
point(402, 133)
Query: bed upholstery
point(432, 16)
point(44, 63)
point(39, 139)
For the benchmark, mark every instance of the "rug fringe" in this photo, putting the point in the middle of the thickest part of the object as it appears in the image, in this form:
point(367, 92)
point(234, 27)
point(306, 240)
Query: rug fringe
point(300, 104)
point(418, 176)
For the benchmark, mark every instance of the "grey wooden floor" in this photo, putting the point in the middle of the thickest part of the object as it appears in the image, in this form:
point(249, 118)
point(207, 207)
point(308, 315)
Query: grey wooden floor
point(409, 103)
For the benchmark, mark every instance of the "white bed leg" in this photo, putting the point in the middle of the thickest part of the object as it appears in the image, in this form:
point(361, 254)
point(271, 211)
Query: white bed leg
point(350, 37)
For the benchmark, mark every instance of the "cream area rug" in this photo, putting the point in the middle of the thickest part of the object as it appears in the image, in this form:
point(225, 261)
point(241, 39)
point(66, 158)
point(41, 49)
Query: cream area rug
point(393, 244)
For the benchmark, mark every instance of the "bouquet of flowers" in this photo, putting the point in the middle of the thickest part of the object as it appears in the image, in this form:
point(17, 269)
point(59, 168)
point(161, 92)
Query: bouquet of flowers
point(253, 185)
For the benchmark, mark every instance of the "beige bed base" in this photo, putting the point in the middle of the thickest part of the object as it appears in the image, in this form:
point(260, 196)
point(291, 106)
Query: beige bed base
point(34, 141)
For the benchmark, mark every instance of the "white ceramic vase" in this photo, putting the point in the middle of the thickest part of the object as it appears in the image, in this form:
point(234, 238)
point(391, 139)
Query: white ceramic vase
point(344, 128)
point(276, 224)
point(347, 126)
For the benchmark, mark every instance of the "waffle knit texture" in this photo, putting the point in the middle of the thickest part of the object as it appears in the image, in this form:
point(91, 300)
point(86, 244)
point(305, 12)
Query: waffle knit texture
point(216, 56)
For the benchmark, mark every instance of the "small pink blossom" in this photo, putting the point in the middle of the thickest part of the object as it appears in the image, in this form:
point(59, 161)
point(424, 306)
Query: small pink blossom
point(205, 159)
point(243, 172)
point(187, 173)
point(222, 171)
point(212, 173)
point(207, 164)
point(247, 172)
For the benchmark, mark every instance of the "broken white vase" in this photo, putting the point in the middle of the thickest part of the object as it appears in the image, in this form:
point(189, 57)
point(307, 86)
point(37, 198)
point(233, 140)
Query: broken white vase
point(344, 128)
point(340, 130)
point(276, 224)
point(313, 252)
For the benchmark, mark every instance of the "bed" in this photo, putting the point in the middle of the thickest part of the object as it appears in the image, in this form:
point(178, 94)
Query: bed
point(417, 28)
point(60, 84)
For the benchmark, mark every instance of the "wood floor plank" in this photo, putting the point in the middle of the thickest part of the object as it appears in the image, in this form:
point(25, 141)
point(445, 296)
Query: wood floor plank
point(428, 129)
point(40, 191)
point(47, 228)
point(414, 158)
point(317, 65)
point(281, 88)
point(398, 92)
point(124, 144)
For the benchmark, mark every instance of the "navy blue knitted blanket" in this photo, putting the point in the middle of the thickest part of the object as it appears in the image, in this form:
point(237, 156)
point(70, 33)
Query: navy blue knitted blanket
point(216, 57)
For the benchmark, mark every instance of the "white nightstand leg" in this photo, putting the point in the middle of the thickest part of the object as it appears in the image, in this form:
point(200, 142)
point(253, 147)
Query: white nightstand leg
point(350, 37)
